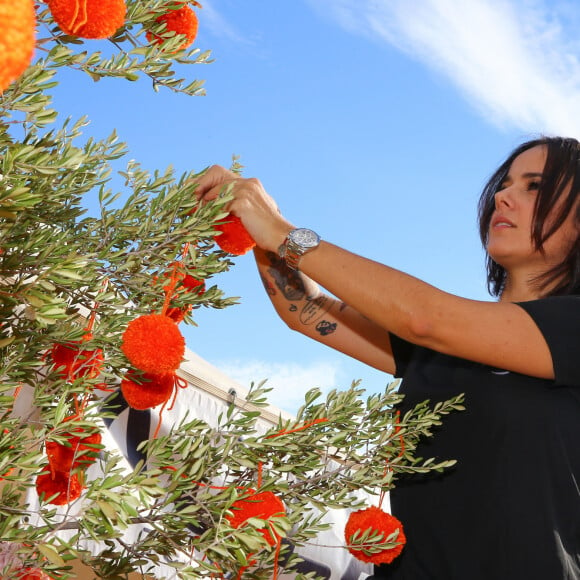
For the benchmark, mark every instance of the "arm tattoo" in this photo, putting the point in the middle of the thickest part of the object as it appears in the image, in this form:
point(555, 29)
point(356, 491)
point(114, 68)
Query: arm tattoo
point(325, 328)
point(270, 290)
point(315, 309)
point(288, 281)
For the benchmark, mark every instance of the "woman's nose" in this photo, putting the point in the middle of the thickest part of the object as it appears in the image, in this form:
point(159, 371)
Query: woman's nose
point(504, 197)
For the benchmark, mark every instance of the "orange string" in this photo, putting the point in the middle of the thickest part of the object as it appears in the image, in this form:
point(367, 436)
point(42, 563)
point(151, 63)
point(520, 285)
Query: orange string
point(174, 279)
point(401, 453)
point(82, 19)
point(305, 426)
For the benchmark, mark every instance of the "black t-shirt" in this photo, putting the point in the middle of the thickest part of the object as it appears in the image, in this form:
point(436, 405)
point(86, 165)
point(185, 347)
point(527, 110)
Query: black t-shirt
point(510, 508)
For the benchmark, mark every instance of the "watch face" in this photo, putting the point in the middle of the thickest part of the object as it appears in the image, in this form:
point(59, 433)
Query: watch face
point(304, 238)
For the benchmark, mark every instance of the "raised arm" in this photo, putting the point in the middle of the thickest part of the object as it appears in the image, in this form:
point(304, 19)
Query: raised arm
point(497, 334)
point(306, 309)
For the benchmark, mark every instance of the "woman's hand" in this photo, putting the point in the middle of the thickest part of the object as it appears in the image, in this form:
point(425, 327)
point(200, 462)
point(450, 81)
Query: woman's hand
point(252, 204)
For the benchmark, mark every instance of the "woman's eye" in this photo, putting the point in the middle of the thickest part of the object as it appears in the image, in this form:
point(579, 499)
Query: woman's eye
point(534, 185)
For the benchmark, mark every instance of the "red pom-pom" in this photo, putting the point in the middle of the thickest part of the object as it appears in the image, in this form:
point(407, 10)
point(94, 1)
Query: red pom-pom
point(152, 390)
point(73, 362)
point(181, 21)
point(154, 344)
point(177, 314)
point(17, 39)
point(192, 284)
point(265, 505)
point(380, 522)
point(234, 237)
point(188, 282)
point(81, 451)
point(67, 487)
point(88, 18)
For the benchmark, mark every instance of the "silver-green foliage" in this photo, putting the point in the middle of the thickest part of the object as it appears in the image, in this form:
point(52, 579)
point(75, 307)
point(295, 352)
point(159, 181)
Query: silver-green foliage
point(58, 264)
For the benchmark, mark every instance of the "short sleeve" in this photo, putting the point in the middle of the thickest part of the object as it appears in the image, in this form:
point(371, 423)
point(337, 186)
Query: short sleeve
point(402, 353)
point(558, 319)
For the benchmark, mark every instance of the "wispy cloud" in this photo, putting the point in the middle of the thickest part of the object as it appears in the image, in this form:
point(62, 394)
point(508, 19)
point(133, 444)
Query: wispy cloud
point(289, 381)
point(214, 21)
point(516, 61)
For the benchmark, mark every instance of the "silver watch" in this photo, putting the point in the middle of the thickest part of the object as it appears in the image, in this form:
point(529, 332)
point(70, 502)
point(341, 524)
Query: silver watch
point(296, 244)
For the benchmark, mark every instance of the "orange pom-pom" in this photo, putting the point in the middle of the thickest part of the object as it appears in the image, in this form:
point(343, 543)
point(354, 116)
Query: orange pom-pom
point(192, 284)
point(67, 488)
point(188, 282)
point(73, 362)
point(88, 18)
point(153, 390)
point(17, 38)
point(234, 237)
point(381, 522)
point(178, 314)
point(80, 451)
point(154, 344)
point(181, 21)
point(265, 505)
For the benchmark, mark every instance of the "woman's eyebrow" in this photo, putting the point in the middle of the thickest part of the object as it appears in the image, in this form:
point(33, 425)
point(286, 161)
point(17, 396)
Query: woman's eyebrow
point(532, 174)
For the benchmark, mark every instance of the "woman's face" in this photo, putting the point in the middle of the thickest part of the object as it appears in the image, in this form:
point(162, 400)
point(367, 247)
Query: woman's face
point(510, 241)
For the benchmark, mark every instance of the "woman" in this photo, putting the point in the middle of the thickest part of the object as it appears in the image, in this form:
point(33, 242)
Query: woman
point(510, 509)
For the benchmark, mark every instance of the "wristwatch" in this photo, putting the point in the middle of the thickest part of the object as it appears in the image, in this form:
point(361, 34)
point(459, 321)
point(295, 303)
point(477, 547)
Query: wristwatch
point(296, 244)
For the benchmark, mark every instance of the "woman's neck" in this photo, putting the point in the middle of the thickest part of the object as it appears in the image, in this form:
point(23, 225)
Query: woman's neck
point(521, 288)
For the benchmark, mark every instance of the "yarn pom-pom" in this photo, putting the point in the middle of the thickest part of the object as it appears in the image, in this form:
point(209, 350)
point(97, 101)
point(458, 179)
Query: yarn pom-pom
point(147, 391)
point(88, 18)
point(80, 450)
point(17, 38)
point(178, 314)
point(379, 522)
point(73, 362)
point(188, 282)
point(234, 237)
point(65, 488)
point(192, 284)
point(153, 344)
point(264, 505)
point(181, 21)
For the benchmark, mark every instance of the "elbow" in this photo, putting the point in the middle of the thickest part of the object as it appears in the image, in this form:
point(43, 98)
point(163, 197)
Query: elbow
point(419, 328)
point(293, 323)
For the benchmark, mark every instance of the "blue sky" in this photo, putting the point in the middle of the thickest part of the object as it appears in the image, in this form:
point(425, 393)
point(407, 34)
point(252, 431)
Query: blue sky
point(374, 122)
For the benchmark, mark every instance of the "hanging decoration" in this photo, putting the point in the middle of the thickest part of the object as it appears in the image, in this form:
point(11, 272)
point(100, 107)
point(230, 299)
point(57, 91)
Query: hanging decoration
point(146, 391)
point(155, 347)
point(378, 522)
point(265, 506)
point(186, 283)
point(233, 237)
point(373, 521)
point(88, 18)
point(17, 39)
point(153, 344)
point(58, 488)
point(61, 481)
point(73, 362)
point(181, 21)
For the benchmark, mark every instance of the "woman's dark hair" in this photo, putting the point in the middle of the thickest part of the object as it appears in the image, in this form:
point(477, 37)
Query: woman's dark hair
point(562, 169)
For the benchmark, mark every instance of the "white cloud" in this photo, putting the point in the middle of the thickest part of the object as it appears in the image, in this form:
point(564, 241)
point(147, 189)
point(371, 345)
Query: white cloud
point(214, 21)
point(517, 61)
point(289, 381)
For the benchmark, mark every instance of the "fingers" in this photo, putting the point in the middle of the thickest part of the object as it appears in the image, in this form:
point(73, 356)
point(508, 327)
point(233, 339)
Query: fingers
point(210, 183)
